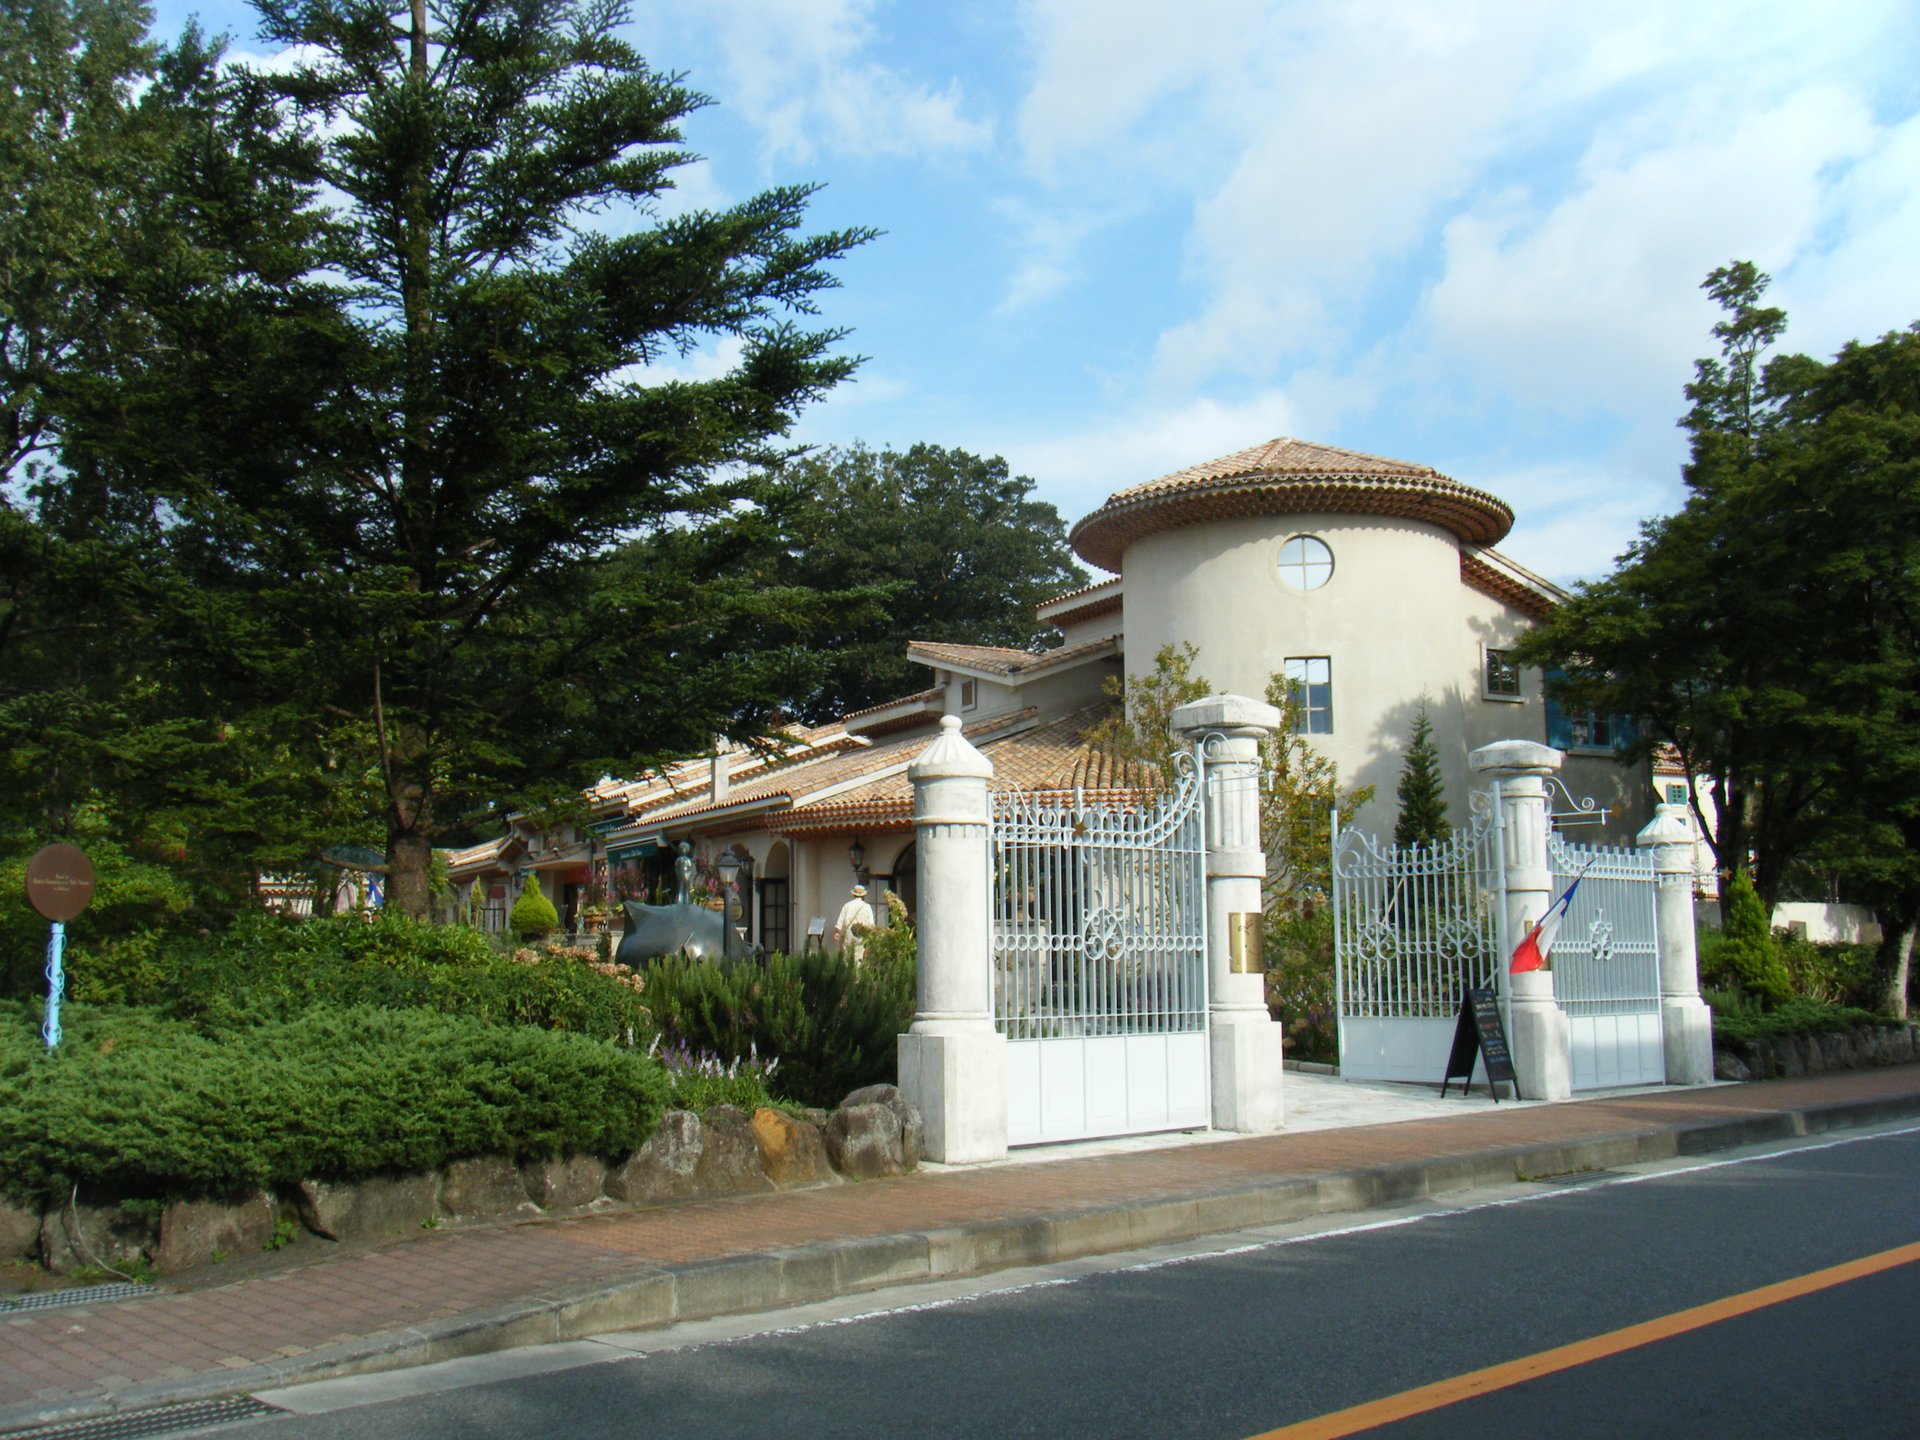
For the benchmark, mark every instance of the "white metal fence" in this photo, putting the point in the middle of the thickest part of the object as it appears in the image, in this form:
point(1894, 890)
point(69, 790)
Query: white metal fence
point(1606, 964)
point(1100, 979)
point(1413, 928)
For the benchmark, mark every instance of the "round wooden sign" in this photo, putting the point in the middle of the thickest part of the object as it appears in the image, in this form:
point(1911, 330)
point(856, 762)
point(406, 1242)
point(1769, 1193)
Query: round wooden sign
point(59, 882)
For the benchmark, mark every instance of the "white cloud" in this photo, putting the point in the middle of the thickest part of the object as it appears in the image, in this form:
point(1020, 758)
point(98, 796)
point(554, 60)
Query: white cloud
point(803, 74)
point(1076, 469)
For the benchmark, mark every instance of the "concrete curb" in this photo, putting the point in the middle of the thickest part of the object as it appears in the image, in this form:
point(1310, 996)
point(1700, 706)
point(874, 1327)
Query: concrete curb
point(771, 1280)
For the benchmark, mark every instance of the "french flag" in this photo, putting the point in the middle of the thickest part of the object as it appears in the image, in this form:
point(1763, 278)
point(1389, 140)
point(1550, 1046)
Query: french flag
point(1531, 953)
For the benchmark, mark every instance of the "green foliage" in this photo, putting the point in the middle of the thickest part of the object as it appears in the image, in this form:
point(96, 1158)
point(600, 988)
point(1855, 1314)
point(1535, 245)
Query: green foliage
point(136, 912)
point(533, 914)
point(1830, 972)
point(1300, 982)
point(1746, 954)
point(1794, 1016)
point(269, 967)
point(931, 544)
point(1140, 733)
point(1423, 797)
point(144, 1105)
point(830, 1022)
point(1769, 631)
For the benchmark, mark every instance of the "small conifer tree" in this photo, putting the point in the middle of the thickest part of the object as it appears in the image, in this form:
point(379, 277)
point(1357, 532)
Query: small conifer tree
point(1423, 797)
point(1749, 952)
point(533, 914)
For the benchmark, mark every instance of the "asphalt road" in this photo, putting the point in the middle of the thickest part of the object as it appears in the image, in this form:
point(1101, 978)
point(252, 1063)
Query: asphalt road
point(1282, 1326)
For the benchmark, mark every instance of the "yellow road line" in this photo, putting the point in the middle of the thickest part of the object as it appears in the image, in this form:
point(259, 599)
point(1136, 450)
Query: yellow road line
point(1548, 1362)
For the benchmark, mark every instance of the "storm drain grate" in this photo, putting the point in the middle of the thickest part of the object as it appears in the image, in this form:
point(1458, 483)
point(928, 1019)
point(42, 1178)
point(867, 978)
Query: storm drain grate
point(1574, 1177)
point(165, 1420)
point(79, 1295)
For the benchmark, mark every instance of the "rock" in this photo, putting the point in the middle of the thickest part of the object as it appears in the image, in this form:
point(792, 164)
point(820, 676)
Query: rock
point(663, 1168)
point(792, 1152)
point(564, 1182)
point(19, 1231)
point(730, 1157)
point(912, 1128)
point(864, 1142)
point(1729, 1066)
point(382, 1205)
point(484, 1187)
point(72, 1237)
point(193, 1232)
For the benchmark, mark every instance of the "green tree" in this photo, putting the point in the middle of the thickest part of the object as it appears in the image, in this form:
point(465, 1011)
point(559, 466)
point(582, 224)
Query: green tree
point(138, 174)
point(533, 916)
point(464, 412)
point(1695, 632)
point(1423, 797)
point(927, 543)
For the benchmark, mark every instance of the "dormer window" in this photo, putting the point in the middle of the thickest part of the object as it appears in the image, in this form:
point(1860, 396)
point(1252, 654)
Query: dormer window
point(969, 694)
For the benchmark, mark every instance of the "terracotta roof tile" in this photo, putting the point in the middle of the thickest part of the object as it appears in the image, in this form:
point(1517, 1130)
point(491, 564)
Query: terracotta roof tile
point(998, 660)
point(1286, 476)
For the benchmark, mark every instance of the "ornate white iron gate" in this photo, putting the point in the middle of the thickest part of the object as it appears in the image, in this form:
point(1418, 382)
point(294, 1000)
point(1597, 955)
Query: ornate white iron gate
point(1412, 929)
point(1100, 975)
point(1606, 965)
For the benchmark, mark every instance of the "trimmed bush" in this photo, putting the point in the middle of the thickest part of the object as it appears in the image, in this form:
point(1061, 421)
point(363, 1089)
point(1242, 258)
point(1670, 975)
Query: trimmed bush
point(830, 1021)
point(1300, 987)
point(533, 916)
point(270, 968)
point(141, 1105)
point(1796, 1016)
point(1746, 954)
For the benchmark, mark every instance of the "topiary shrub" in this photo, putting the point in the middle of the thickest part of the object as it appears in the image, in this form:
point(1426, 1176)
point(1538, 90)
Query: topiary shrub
point(1747, 955)
point(533, 916)
point(137, 1104)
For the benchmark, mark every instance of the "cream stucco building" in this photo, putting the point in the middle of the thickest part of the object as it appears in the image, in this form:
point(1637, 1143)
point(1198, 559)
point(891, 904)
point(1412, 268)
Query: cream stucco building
point(1371, 582)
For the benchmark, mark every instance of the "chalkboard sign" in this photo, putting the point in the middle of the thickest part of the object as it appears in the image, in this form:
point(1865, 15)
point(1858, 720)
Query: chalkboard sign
point(1479, 1032)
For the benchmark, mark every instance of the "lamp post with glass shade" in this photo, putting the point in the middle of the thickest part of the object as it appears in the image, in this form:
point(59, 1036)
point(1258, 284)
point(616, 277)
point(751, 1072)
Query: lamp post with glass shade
point(857, 857)
point(729, 875)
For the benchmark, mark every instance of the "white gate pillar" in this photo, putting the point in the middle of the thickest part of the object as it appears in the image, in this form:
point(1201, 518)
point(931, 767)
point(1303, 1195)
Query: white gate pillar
point(1243, 1041)
point(1686, 1023)
point(1540, 1037)
point(952, 1062)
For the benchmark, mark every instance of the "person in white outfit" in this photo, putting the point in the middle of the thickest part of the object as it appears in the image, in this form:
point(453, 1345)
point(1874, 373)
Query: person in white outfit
point(850, 928)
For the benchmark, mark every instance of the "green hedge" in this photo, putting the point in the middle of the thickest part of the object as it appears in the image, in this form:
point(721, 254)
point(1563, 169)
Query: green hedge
point(270, 968)
point(138, 1104)
point(831, 1023)
point(1737, 1017)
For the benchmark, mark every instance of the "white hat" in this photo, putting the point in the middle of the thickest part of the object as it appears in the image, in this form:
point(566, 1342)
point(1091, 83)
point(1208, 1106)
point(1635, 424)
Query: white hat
point(860, 890)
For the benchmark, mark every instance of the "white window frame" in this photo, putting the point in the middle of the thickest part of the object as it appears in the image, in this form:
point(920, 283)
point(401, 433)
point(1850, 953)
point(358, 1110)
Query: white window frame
point(1301, 684)
point(1487, 692)
point(1306, 566)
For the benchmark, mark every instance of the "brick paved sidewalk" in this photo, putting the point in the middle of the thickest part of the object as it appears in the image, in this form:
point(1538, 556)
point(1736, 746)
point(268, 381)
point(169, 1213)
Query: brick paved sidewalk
point(72, 1360)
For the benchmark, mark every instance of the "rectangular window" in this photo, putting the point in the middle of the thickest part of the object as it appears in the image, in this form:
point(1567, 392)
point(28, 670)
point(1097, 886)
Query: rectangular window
point(774, 935)
point(969, 694)
point(1502, 675)
point(1310, 679)
point(1676, 794)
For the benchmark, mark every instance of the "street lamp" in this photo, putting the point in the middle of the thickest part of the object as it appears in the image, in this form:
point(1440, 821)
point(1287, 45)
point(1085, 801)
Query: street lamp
point(857, 855)
point(729, 873)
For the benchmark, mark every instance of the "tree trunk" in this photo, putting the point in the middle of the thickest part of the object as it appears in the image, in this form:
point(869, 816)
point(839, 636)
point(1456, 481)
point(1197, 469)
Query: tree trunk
point(1893, 964)
point(409, 842)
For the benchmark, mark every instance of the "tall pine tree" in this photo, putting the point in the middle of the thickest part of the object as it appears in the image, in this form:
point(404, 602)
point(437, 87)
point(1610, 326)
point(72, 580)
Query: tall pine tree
point(1423, 797)
point(409, 539)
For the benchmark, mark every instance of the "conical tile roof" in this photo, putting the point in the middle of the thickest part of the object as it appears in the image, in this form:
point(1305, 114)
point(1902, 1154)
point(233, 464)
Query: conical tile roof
point(1287, 475)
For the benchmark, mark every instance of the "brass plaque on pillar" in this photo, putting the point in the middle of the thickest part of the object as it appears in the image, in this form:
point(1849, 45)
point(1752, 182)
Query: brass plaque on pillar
point(1245, 934)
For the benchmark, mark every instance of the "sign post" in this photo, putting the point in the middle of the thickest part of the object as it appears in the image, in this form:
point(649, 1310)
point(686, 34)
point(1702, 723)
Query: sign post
point(59, 885)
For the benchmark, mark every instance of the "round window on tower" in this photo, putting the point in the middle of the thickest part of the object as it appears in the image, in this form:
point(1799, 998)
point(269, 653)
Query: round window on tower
point(1305, 563)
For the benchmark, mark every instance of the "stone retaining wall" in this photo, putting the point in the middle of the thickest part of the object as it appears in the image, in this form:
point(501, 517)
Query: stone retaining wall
point(1783, 1057)
point(726, 1151)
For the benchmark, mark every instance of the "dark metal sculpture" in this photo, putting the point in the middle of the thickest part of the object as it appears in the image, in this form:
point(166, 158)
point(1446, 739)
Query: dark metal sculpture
point(682, 928)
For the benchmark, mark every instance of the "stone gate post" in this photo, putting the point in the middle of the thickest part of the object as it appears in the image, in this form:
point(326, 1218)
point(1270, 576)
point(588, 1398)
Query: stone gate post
point(952, 1062)
point(1686, 1023)
point(1243, 1040)
point(1541, 1038)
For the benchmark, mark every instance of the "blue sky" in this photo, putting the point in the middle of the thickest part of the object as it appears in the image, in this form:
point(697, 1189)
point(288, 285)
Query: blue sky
point(1124, 236)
